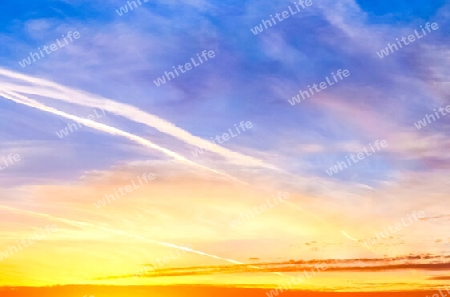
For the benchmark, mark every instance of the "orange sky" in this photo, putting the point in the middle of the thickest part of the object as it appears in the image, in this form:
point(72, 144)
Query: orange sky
point(188, 291)
point(183, 235)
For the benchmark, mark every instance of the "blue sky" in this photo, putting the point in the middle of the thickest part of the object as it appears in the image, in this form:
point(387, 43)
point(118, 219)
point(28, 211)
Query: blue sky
point(250, 78)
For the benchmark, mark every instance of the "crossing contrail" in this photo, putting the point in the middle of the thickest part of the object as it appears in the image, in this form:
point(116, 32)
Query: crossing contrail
point(114, 131)
point(51, 90)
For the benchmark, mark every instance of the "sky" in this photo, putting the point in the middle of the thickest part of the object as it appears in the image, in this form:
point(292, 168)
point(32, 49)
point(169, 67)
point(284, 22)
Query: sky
point(115, 172)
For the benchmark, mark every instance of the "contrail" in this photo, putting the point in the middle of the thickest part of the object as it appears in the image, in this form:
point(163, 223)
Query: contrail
point(130, 112)
point(343, 232)
point(360, 242)
point(107, 129)
point(43, 215)
point(162, 243)
point(348, 236)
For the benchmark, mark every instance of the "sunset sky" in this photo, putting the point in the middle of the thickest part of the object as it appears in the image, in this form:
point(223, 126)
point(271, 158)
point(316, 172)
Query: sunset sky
point(277, 194)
